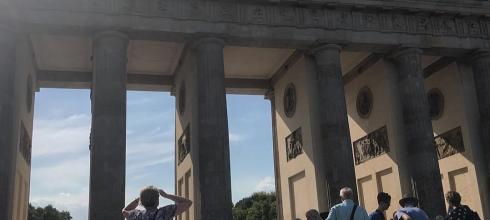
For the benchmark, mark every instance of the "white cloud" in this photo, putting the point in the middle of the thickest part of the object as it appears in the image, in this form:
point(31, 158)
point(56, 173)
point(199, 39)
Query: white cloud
point(68, 135)
point(66, 174)
point(236, 137)
point(267, 184)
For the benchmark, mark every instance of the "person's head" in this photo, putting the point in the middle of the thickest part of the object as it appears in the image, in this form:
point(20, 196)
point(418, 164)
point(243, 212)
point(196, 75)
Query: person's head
point(409, 201)
point(149, 197)
point(312, 214)
point(346, 193)
point(384, 201)
point(453, 198)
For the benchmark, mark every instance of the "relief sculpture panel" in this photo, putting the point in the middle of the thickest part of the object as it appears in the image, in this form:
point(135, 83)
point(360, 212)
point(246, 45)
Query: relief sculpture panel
point(294, 144)
point(184, 144)
point(449, 143)
point(372, 145)
point(25, 145)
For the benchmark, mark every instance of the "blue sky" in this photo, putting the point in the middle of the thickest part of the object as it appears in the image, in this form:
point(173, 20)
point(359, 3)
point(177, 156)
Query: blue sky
point(60, 164)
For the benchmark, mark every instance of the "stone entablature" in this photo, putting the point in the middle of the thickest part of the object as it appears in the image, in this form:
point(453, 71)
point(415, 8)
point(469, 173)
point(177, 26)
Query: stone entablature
point(356, 19)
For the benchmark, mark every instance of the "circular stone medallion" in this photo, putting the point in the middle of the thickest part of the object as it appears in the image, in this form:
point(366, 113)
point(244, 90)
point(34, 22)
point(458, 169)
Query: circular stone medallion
point(290, 100)
point(364, 102)
point(182, 99)
point(436, 103)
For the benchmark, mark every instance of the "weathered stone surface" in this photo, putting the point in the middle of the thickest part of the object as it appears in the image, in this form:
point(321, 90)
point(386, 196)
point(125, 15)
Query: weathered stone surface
point(282, 15)
point(422, 163)
point(108, 137)
point(334, 126)
point(214, 152)
point(7, 108)
point(481, 73)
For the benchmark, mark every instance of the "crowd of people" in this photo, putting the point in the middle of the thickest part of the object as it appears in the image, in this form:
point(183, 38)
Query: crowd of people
point(346, 210)
point(409, 210)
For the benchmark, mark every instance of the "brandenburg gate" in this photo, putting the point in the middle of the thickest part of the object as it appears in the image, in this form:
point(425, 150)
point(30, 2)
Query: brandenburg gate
point(378, 95)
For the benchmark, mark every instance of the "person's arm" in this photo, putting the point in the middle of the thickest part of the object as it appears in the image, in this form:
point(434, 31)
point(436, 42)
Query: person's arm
point(131, 206)
point(331, 214)
point(182, 204)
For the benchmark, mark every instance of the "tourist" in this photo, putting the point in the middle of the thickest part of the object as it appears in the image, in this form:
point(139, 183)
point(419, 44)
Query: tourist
point(347, 210)
point(313, 214)
point(149, 198)
point(456, 210)
point(410, 210)
point(384, 201)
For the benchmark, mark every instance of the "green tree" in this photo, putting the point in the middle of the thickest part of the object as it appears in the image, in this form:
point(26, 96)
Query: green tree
point(47, 213)
point(259, 206)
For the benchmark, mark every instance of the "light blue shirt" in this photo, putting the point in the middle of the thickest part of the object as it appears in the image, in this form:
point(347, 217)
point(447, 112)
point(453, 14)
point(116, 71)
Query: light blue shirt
point(343, 211)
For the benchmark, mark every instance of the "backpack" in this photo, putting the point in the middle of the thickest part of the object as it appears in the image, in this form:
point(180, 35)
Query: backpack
point(470, 214)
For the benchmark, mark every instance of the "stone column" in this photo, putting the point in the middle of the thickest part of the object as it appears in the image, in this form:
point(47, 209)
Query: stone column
point(8, 148)
point(277, 172)
point(481, 74)
point(420, 154)
point(334, 126)
point(214, 152)
point(108, 137)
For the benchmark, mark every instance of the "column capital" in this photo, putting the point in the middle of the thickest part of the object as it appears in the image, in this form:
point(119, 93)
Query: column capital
point(479, 54)
point(270, 94)
point(198, 42)
point(322, 47)
point(404, 51)
point(110, 34)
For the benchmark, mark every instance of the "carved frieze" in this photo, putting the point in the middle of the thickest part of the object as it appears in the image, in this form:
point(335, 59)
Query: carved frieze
point(184, 145)
point(294, 144)
point(449, 143)
point(372, 145)
point(356, 19)
point(25, 145)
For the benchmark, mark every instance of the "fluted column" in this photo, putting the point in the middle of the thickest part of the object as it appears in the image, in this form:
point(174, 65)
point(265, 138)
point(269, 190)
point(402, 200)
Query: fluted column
point(108, 137)
point(7, 129)
point(481, 74)
point(421, 158)
point(334, 126)
point(214, 153)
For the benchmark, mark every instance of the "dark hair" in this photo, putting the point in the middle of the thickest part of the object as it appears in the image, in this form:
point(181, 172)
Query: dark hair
point(384, 197)
point(149, 197)
point(453, 197)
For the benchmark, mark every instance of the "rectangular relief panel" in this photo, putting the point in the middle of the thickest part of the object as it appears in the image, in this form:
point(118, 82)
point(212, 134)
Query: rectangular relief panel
point(386, 182)
point(186, 192)
point(459, 181)
point(372, 145)
point(184, 144)
point(367, 192)
point(180, 188)
point(449, 143)
point(294, 144)
point(297, 193)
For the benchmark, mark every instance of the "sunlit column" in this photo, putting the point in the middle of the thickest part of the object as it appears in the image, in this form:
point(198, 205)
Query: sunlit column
point(334, 126)
point(214, 152)
point(8, 147)
point(421, 158)
point(108, 137)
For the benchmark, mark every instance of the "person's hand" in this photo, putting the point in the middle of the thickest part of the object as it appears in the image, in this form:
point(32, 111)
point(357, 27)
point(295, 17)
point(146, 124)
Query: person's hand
point(162, 193)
